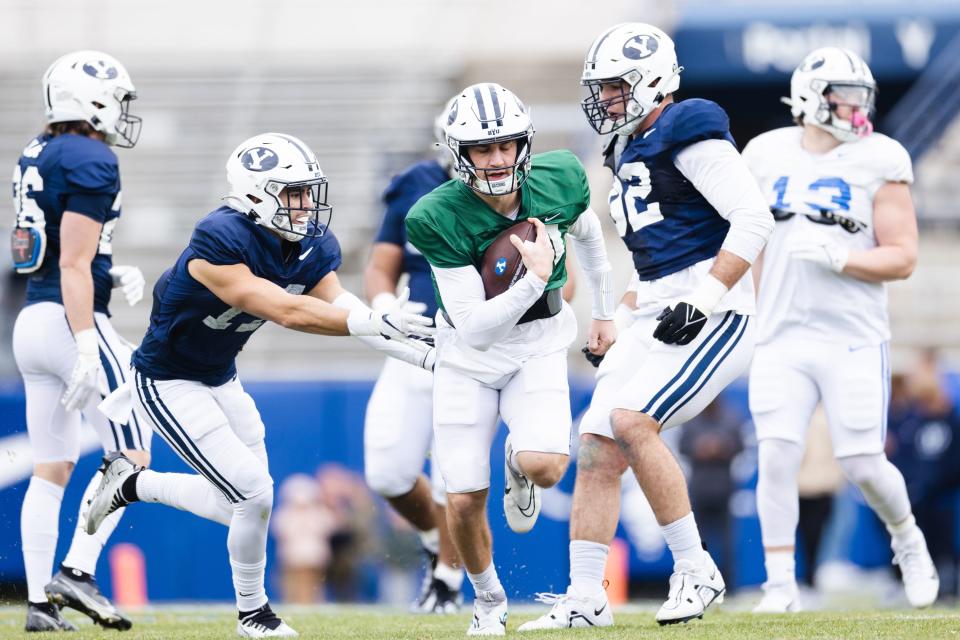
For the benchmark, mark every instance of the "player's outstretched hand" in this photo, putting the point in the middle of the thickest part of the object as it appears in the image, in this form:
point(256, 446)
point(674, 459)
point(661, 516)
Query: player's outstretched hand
point(392, 323)
point(537, 256)
point(603, 333)
point(84, 379)
point(679, 324)
point(130, 281)
point(819, 249)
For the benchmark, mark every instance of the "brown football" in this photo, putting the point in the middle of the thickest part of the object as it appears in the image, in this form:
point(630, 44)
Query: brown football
point(501, 266)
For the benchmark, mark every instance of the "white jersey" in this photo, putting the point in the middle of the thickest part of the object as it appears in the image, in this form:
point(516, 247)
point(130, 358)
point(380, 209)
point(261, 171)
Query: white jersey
point(830, 193)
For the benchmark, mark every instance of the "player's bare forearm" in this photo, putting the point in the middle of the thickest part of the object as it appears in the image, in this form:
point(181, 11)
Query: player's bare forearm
point(235, 285)
point(728, 268)
point(895, 228)
point(76, 288)
point(383, 270)
point(80, 236)
point(881, 264)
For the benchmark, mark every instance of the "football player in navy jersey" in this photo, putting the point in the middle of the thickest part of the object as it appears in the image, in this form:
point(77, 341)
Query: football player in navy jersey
point(247, 262)
point(66, 194)
point(398, 429)
point(694, 220)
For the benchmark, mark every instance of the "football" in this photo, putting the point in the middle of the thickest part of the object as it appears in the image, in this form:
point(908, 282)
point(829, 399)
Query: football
point(502, 266)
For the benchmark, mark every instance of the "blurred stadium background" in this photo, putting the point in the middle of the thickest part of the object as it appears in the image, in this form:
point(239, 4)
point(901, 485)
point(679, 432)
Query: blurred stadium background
point(361, 82)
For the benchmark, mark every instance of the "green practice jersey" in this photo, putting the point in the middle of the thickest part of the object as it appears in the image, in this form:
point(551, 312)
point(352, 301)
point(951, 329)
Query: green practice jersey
point(452, 227)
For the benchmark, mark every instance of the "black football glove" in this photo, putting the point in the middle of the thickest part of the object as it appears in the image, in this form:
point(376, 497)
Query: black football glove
point(679, 325)
point(591, 357)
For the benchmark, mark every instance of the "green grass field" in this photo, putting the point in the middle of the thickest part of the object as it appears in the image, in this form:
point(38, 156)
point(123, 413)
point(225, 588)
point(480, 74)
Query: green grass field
point(356, 623)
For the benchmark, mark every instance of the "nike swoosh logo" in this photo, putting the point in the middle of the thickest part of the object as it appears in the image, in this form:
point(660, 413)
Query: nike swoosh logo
point(244, 595)
point(597, 612)
point(649, 132)
point(556, 215)
point(306, 253)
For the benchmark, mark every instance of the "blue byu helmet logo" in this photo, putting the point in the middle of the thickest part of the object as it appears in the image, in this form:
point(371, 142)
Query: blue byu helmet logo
point(100, 70)
point(259, 159)
point(640, 47)
point(501, 266)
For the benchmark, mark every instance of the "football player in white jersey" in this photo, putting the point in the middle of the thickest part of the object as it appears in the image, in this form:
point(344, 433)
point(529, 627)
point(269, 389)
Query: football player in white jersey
point(691, 214)
point(845, 225)
point(398, 426)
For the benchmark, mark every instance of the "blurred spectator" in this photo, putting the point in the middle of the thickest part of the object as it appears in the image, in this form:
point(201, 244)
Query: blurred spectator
point(819, 478)
point(353, 541)
point(710, 441)
point(302, 526)
point(923, 441)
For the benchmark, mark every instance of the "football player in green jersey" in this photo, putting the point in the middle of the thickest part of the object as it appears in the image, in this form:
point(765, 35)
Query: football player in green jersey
point(506, 356)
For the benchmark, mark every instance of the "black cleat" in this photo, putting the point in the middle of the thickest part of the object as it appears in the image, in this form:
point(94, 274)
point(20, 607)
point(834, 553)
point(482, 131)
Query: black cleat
point(46, 617)
point(78, 590)
point(263, 623)
point(440, 599)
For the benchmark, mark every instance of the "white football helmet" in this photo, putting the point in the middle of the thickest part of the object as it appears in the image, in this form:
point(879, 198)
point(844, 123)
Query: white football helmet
point(642, 56)
point(827, 78)
point(92, 87)
point(275, 179)
point(485, 114)
point(439, 123)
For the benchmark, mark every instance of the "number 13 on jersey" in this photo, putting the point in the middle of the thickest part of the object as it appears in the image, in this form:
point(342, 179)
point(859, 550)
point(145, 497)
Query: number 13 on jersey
point(628, 205)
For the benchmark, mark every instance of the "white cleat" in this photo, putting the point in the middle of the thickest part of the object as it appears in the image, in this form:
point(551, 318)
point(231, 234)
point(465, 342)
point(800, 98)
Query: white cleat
point(693, 588)
point(521, 498)
point(779, 598)
point(107, 499)
point(264, 623)
point(489, 614)
point(571, 611)
point(920, 579)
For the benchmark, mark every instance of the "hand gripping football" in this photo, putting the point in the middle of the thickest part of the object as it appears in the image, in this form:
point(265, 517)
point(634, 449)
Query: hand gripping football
point(501, 265)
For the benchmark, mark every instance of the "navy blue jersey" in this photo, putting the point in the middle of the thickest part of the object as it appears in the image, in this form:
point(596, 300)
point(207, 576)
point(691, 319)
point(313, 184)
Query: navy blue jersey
point(404, 190)
point(664, 221)
point(67, 173)
point(193, 335)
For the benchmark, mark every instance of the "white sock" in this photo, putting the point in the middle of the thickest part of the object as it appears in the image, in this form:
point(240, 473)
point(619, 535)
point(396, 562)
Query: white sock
point(247, 545)
point(781, 567)
point(39, 520)
point(84, 548)
point(248, 584)
point(683, 538)
point(185, 491)
point(903, 530)
point(588, 560)
point(450, 576)
point(487, 581)
point(430, 540)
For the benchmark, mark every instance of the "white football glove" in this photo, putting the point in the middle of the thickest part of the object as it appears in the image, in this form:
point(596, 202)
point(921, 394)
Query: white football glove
point(130, 281)
point(385, 301)
point(84, 380)
point(392, 322)
point(818, 248)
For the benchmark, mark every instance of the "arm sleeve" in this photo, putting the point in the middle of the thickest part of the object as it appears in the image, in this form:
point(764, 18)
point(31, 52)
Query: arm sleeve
point(722, 176)
point(92, 182)
point(481, 322)
point(591, 253)
point(217, 246)
point(900, 167)
point(391, 229)
point(92, 205)
point(434, 247)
